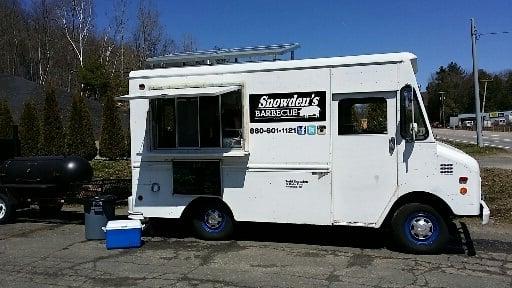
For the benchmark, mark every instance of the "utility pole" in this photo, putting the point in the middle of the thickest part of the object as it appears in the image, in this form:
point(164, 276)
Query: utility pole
point(478, 116)
point(441, 115)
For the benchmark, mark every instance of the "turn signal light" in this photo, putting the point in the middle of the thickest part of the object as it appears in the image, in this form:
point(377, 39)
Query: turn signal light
point(463, 190)
point(463, 180)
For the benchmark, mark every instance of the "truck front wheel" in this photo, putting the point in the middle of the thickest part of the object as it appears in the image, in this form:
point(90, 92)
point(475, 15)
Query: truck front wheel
point(419, 228)
point(212, 221)
point(7, 208)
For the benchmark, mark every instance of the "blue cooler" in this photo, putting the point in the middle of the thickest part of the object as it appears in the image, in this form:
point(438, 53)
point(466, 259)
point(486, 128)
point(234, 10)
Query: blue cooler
point(121, 234)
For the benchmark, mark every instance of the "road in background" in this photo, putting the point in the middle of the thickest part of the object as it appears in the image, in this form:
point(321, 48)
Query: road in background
point(492, 139)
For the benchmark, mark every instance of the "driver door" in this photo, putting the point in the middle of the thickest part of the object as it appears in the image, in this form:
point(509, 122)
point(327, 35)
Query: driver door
point(364, 160)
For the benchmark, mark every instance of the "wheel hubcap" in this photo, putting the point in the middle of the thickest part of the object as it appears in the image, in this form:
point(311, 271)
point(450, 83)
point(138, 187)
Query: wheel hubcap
point(3, 209)
point(421, 228)
point(213, 219)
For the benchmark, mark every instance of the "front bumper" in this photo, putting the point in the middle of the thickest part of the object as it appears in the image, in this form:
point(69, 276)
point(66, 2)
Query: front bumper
point(485, 212)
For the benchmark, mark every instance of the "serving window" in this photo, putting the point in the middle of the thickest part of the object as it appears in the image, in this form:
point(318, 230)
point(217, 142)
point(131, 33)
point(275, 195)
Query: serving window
point(198, 121)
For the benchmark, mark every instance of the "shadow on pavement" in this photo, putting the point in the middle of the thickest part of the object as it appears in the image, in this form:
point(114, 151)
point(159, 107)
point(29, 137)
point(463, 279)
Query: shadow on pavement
point(337, 236)
point(460, 240)
point(281, 233)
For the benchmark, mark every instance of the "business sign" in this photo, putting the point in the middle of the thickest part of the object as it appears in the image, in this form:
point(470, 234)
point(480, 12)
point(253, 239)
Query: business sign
point(287, 107)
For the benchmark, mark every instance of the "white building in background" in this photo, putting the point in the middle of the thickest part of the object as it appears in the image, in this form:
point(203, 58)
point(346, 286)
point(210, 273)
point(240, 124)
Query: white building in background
point(489, 119)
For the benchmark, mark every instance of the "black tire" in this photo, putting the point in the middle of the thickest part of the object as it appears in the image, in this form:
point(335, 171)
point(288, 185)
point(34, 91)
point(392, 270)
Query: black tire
point(420, 229)
point(50, 208)
point(7, 208)
point(212, 221)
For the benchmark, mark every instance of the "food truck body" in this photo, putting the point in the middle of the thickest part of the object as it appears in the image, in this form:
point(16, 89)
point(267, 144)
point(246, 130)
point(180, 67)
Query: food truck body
point(330, 141)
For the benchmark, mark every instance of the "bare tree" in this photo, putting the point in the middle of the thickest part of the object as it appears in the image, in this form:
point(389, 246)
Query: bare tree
point(76, 18)
point(149, 35)
point(11, 28)
point(43, 14)
point(113, 40)
point(188, 43)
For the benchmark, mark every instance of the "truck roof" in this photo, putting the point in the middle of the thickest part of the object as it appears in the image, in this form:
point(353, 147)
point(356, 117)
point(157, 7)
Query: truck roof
point(278, 65)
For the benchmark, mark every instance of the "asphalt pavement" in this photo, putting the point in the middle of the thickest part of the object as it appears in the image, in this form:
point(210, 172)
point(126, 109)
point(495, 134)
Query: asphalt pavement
point(493, 139)
point(52, 252)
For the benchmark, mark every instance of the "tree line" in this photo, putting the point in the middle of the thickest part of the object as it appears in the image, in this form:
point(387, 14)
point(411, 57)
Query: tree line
point(47, 135)
point(458, 87)
point(59, 45)
point(58, 42)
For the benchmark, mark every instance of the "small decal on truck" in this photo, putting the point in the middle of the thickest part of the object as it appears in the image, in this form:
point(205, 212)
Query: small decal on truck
point(287, 107)
point(292, 183)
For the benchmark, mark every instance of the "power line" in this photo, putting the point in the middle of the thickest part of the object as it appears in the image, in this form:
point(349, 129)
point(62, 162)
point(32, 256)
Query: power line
point(493, 33)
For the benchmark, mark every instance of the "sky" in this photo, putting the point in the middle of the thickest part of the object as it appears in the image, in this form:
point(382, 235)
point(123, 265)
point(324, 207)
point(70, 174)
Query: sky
point(436, 31)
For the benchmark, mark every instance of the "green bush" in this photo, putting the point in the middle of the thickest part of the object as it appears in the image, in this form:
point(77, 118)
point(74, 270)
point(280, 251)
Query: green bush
point(30, 130)
point(80, 136)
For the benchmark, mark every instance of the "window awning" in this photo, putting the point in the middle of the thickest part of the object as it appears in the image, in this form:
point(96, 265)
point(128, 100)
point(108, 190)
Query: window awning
point(180, 92)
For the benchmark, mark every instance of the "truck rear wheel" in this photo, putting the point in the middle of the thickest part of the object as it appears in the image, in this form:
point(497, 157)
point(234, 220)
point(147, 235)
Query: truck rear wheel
point(212, 221)
point(419, 228)
point(7, 208)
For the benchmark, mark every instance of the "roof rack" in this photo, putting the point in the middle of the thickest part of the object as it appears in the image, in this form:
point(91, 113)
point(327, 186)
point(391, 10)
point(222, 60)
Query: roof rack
point(222, 56)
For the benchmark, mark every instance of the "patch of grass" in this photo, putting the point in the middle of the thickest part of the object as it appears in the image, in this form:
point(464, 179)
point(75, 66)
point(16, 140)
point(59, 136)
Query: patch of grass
point(498, 193)
point(111, 169)
point(474, 150)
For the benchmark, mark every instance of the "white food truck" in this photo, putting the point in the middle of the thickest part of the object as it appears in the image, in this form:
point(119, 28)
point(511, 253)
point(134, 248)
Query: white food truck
point(330, 141)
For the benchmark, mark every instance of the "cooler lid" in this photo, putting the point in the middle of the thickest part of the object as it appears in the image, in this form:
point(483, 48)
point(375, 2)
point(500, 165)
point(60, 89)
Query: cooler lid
point(124, 224)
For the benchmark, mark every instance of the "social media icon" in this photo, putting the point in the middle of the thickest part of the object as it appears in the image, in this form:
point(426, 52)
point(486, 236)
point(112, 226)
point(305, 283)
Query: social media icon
point(311, 129)
point(301, 130)
point(320, 129)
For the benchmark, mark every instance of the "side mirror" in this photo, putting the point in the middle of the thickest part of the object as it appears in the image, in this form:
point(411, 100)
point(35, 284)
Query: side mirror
point(414, 130)
point(408, 125)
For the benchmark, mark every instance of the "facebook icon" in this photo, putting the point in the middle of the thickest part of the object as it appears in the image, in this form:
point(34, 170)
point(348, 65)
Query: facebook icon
point(301, 130)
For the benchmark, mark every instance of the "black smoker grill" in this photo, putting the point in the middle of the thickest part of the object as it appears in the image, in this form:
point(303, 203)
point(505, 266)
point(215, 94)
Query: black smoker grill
point(44, 180)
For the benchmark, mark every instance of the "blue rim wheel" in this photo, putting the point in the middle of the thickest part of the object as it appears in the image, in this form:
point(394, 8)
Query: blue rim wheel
point(213, 221)
point(419, 228)
point(422, 228)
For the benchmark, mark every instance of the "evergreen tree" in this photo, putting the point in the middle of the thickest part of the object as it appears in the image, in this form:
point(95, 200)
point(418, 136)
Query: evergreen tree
point(30, 130)
point(80, 136)
point(53, 132)
point(94, 78)
point(112, 140)
point(6, 121)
